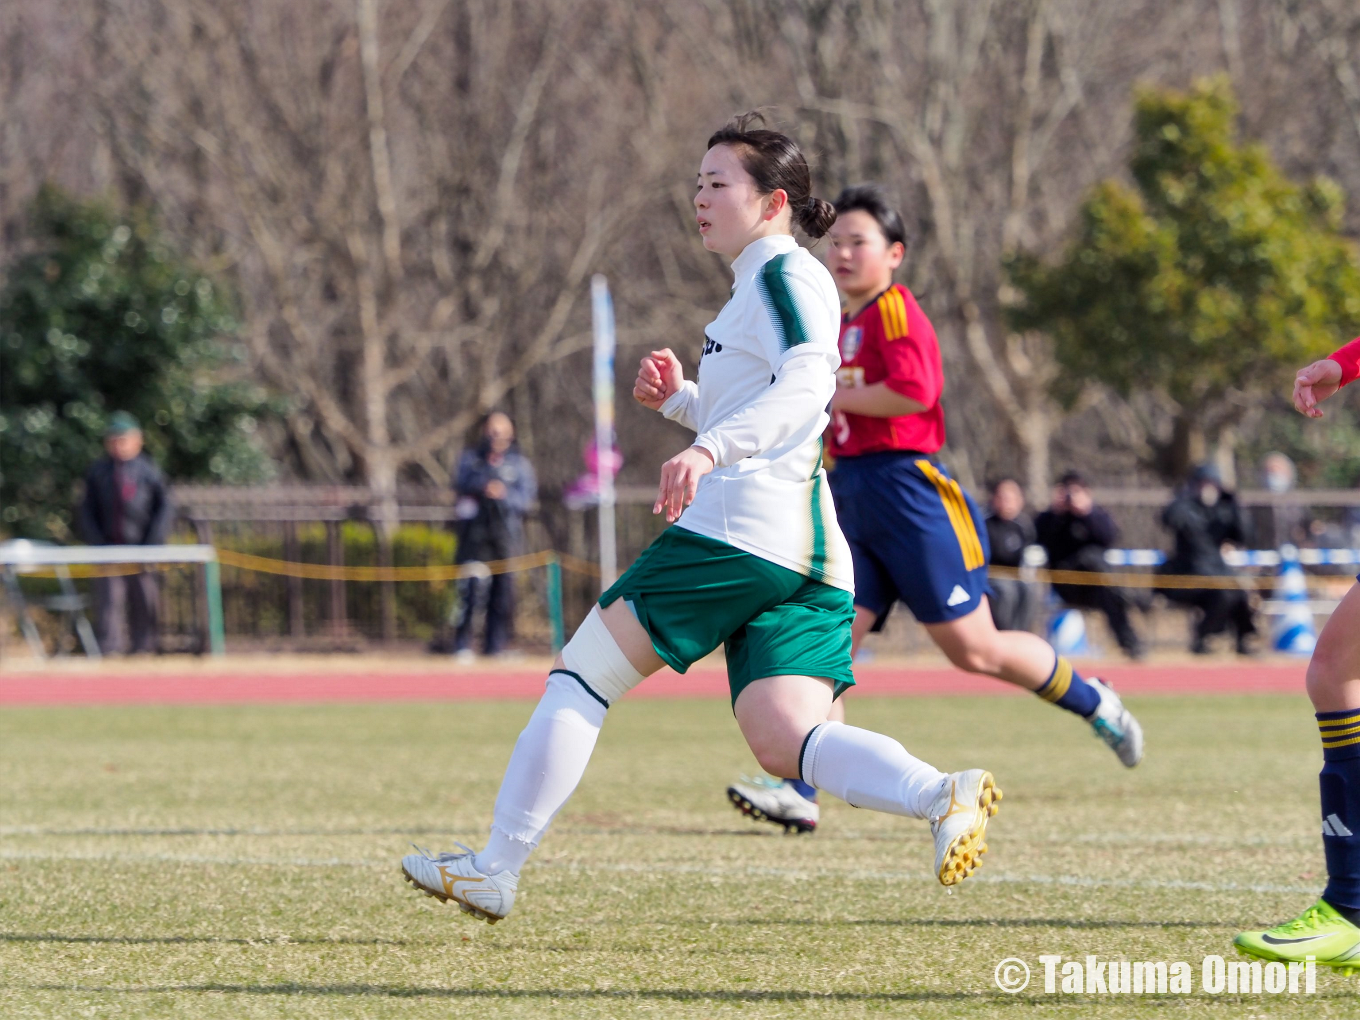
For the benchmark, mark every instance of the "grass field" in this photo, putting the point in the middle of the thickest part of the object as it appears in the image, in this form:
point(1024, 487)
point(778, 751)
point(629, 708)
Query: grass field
point(242, 862)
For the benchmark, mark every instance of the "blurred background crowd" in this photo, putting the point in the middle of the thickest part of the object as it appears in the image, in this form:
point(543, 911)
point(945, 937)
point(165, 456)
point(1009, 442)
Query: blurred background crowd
point(325, 265)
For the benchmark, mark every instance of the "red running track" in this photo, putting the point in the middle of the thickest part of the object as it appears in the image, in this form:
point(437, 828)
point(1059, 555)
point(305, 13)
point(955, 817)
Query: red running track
point(212, 687)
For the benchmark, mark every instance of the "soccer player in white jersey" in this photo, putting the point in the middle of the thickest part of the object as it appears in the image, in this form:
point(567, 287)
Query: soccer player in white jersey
point(754, 561)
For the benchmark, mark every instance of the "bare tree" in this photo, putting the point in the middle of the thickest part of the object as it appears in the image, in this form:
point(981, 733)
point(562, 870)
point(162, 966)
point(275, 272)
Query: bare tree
point(990, 118)
point(410, 194)
point(400, 188)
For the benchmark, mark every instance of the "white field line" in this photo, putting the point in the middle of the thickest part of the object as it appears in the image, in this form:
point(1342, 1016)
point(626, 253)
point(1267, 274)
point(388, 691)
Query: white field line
point(1087, 839)
point(703, 871)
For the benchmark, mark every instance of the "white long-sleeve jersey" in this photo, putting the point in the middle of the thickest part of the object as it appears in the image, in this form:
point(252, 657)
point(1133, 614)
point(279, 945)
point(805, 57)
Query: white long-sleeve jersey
point(766, 377)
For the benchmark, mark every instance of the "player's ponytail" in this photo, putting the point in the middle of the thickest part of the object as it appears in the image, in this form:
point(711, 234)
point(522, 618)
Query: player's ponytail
point(775, 162)
point(816, 217)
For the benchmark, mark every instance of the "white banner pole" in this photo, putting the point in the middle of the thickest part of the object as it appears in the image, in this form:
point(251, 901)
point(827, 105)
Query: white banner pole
point(602, 314)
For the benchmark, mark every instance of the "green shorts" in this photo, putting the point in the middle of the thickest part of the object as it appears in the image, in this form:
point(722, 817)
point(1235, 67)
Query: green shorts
point(692, 593)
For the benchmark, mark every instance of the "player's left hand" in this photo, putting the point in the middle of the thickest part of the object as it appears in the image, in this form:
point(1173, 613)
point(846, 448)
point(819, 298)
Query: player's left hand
point(680, 480)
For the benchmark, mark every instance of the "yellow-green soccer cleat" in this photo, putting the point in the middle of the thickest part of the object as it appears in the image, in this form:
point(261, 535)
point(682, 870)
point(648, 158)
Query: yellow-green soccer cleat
point(958, 821)
point(1319, 932)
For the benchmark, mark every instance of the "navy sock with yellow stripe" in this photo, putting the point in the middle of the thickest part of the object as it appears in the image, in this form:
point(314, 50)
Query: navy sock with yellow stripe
point(1066, 689)
point(1339, 783)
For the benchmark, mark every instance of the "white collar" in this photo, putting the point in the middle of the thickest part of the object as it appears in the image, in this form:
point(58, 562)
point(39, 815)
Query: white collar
point(760, 251)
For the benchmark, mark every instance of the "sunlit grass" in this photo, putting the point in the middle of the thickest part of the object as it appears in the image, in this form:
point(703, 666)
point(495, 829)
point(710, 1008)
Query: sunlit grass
point(242, 862)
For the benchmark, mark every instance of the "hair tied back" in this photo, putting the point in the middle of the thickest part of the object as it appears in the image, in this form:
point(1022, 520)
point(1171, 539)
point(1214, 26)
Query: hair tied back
point(775, 162)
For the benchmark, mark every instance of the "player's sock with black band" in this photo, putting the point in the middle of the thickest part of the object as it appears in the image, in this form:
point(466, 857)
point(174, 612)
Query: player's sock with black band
point(548, 762)
point(1066, 689)
point(552, 752)
point(1339, 784)
point(868, 770)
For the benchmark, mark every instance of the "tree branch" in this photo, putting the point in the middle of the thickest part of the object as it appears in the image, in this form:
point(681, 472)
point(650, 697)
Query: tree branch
point(366, 15)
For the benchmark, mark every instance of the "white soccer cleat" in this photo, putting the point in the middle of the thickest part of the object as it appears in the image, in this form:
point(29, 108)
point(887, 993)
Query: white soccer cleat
point(958, 821)
point(454, 877)
point(1116, 725)
point(774, 801)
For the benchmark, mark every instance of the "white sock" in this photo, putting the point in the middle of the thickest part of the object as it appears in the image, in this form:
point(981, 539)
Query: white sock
point(547, 764)
point(868, 770)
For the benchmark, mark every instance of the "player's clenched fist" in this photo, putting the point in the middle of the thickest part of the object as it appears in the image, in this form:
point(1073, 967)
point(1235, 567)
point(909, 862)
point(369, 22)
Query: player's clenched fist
point(659, 376)
point(1315, 384)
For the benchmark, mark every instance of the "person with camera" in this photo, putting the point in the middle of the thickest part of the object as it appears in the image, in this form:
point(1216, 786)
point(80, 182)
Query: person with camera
point(1203, 518)
point(1075, 533)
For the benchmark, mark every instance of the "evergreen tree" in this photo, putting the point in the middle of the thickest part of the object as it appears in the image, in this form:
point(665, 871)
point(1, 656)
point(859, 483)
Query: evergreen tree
point(1210, 281)
point(101, 314)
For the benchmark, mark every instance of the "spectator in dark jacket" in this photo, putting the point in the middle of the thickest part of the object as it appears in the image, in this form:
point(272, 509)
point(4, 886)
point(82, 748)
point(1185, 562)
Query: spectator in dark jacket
point(126, 503)
point(496, 488)
point(1202, 519)
point(1009, 531)
point(1075, 534)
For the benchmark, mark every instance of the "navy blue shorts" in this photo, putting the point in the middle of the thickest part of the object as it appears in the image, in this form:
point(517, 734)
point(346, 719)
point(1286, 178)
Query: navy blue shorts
point(914, 535)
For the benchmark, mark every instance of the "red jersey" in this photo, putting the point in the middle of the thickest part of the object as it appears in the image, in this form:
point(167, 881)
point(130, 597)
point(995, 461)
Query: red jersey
point(890, 341)
point(1347, 357)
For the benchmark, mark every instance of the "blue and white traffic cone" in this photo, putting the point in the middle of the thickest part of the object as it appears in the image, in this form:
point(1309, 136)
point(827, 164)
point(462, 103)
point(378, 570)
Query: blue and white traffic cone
point(1292, 631)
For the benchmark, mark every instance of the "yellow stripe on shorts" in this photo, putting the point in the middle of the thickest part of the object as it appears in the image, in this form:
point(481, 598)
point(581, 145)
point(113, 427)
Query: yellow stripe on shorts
point(957, 509)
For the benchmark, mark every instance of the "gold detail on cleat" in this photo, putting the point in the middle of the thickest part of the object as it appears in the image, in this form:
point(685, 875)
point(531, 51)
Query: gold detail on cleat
point(954, 806)
point(964, 855)
point(451, 895)
point(451, 880)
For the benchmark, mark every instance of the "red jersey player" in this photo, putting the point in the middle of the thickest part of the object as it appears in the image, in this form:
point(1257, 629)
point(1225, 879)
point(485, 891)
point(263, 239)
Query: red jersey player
point(889, 341)
point(1329, 930)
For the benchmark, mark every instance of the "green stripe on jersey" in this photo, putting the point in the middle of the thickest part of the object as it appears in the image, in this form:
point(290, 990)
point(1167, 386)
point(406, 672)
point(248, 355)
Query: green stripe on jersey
point(817, 566)
point(778, 298)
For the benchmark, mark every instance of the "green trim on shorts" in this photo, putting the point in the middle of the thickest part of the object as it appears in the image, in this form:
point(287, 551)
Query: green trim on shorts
point(692, 593)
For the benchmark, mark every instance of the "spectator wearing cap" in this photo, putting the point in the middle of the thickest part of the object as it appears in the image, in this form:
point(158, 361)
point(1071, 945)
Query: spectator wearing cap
point(126, 503)
point(1075, 534)
point(1203, 518)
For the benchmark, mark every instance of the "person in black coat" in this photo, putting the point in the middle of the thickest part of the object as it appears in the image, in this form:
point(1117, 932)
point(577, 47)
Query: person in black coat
point(1009, 531)
point(1202, 519)
point(496, 486)
point(126, 503)
point(1075, 534)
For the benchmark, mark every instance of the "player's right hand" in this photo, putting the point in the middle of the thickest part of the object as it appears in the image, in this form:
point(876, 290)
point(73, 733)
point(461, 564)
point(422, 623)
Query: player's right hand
point(1315, 384)
point(659, 376)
